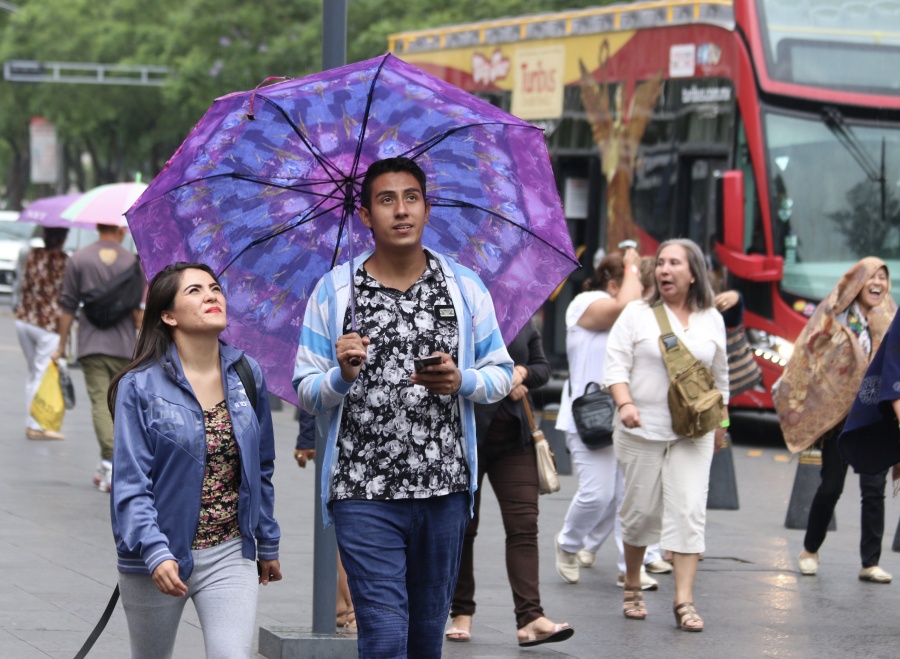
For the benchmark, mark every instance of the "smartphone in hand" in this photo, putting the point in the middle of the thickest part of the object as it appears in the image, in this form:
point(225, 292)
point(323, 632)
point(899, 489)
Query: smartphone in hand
point(421, 362)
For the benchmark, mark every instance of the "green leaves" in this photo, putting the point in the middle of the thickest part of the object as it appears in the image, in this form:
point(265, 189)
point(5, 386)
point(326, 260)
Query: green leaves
point(213, 47)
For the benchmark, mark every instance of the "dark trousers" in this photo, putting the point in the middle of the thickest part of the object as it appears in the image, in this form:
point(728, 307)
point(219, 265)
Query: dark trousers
point(512, 470)
point(834, 472)
point(401, 558)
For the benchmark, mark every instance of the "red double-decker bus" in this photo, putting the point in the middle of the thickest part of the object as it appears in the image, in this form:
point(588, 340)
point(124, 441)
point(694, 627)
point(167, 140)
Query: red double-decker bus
point(768, 131)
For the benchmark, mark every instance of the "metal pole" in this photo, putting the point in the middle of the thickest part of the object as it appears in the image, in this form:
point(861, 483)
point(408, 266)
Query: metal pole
point(324, 549)
point(334, 54)
point(334, 33)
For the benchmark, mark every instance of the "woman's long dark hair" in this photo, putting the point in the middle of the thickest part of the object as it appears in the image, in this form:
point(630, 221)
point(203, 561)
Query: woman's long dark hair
point(155, 336)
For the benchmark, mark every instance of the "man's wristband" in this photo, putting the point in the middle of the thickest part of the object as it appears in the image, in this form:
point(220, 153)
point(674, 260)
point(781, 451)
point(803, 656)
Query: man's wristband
point(629, 402)
point(726, 423)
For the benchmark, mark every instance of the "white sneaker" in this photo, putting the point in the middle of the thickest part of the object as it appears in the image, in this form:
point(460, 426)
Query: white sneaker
point(586, 558)
point(566, 563)
point(103, 476)
point(647, 582)
point(809, 565)
point(874, 574)
point(659, 567)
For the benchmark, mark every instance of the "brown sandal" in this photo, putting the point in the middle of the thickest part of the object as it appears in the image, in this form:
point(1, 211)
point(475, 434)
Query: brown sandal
point(685, 613)
point(633, 607)
point(346, 621)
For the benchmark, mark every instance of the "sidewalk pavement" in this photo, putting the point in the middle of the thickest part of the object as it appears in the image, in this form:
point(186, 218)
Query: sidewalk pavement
point(57, 562)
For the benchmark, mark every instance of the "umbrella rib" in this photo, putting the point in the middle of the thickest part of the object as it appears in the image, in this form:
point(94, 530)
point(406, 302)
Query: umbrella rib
point(320, 157)
point(365, 122)
point(454, 203)
point(417, 151)
point(284, 228)
point(335, 175)
point(298, 187)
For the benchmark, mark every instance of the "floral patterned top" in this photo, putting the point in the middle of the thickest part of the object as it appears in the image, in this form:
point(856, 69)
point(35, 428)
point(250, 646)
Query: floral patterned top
point(856, 320)
point(221, 482)
point(42, 280)
point(396, 440)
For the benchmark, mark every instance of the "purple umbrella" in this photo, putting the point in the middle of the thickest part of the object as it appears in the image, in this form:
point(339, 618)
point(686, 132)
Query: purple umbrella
point(264, 188)
point(48, 212)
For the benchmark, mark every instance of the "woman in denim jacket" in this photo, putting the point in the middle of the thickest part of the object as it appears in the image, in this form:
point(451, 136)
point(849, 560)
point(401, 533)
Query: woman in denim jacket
point(192, 498)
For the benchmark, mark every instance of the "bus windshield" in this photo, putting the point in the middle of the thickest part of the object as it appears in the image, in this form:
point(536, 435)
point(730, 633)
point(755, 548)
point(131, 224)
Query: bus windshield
point(830, 205)
point(836, 44)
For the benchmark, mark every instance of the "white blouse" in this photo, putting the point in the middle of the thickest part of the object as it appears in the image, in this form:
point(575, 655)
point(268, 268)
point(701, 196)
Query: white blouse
point(633, 356)
point(585, 351)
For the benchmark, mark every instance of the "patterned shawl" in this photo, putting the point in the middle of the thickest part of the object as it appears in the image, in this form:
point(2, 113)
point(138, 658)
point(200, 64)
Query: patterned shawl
point(823, 375)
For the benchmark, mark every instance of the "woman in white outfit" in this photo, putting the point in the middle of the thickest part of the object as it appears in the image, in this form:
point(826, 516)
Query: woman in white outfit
point(666, 475)
point(589, 318)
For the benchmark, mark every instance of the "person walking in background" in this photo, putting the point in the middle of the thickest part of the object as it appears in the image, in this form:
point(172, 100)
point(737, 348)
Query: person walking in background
point(589, 317)
point(506, 456)
point(666, 475)
point(192, 501)
point(102, 353)
point(37, 317)
point(304, 451)
point(400, 465)
point(814, 396)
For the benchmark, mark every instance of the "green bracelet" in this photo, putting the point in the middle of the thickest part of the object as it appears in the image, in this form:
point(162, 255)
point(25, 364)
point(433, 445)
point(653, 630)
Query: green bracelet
point(726, 423)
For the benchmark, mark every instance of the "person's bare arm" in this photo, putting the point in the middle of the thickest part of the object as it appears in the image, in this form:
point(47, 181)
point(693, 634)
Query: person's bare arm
point(64, 327)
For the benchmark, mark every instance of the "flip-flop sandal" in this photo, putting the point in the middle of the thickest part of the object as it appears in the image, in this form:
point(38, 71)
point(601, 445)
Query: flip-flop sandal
point(561, 632)
point(457, 635)
point(346, 622)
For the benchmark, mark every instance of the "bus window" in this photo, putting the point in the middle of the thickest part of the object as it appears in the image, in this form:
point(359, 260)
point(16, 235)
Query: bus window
point(831, 207)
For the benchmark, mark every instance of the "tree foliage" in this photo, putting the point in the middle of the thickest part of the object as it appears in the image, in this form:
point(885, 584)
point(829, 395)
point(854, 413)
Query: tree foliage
point(212, 47)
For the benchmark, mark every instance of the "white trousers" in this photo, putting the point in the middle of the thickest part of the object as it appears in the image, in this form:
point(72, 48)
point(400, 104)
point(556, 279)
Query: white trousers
point(37, 344)
point(594, 511)
point(666, 485)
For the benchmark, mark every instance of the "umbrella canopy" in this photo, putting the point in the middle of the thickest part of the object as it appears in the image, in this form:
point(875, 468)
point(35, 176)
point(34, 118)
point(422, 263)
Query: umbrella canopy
point(48, 211)
point(264, 187)
point(105, 204)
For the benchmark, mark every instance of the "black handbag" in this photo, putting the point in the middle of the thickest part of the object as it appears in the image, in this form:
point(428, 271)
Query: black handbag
point(593, 413)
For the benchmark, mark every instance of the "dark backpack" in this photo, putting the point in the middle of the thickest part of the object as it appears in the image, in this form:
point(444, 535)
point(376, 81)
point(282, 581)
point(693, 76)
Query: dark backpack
point(114, 299)
point(242, 366)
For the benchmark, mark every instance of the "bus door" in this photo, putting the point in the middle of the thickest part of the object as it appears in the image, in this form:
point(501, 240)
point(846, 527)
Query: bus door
point(695, 215)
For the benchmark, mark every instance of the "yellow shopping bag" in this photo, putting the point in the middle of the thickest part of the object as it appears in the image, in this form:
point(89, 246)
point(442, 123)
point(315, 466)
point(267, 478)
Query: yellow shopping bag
point(48, 406)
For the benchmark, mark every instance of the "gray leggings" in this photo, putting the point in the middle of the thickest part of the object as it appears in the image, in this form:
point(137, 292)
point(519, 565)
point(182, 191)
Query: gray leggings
point(224, 588)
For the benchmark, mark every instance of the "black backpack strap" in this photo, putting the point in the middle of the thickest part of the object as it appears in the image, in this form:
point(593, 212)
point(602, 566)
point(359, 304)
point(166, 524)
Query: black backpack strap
point(101, 625)
point(242, 366)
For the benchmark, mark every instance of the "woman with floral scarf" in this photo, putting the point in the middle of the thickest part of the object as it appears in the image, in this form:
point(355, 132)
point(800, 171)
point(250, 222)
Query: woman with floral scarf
point(815, 394)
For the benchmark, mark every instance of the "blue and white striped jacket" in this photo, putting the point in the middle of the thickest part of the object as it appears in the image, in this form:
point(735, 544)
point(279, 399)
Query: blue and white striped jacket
point(483, 360)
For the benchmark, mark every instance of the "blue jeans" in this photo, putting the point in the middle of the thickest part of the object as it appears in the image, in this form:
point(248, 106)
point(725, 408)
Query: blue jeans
point(402, 558)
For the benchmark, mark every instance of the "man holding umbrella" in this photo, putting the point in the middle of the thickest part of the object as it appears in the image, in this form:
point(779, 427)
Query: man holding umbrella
point(399, 463)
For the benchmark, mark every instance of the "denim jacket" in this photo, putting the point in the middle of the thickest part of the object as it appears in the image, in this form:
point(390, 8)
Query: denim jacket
point(483, 360)
point(159, 462)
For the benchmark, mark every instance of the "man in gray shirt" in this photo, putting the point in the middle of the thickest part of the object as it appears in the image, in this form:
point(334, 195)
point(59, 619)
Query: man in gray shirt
point(102, 353)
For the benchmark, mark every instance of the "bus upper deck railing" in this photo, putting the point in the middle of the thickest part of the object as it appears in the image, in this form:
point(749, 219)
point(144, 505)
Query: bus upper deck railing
point(594, 20)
